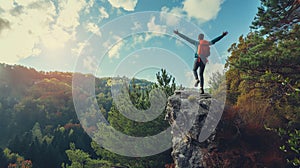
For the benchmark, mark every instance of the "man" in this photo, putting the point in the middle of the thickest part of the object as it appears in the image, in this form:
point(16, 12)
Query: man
point(201, 55)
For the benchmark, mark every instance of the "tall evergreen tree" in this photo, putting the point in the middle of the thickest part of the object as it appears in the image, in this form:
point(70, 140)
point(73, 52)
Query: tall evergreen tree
point(264, 72)
point(276, 16)
point(166, 82)
point(264, 63)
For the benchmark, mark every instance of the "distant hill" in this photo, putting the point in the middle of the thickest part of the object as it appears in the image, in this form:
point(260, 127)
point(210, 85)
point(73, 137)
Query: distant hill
point(38, 121)
point(29, 96)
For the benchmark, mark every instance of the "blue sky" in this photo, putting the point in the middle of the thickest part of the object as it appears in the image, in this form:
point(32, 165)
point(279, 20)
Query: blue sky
point(119, 37)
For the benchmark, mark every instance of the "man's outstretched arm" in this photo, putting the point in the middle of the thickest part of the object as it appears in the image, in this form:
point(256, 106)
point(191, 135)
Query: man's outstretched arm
point(218, 38)
point(194, 42)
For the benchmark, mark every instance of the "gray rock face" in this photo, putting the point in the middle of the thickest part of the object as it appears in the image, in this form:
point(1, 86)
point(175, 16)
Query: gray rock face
point(193, 121)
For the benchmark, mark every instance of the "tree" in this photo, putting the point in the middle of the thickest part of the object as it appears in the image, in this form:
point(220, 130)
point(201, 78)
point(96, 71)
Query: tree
point(166, 82)
point(14, 160)
point(263, 79)
point(268, 67)
point(81, 159)
point(291, 146)
point(139, 97)
point(215, 81)
point(276, 17)
point(37, 133)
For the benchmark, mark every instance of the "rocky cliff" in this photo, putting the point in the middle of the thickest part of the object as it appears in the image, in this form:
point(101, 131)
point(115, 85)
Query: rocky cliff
point(193, 118)
point(201, 139)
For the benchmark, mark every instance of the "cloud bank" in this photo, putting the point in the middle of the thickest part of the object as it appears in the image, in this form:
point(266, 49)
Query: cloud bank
point(30, 25)
point(201, 10)
point(128, 5)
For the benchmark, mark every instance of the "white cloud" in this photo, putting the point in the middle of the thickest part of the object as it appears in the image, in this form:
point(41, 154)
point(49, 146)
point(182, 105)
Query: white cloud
point(92, 27)
point(155, 30)
point(136, 26)
point(115, 44)
point(56, 38)
point(25, 2)
point(152, 27)
point(148, 36)
point(89, 5)
point(103, 13)
point(171, 17)
point(128, 5)
point(80, 46)
point(202, 9)
point(24, 33)
point(7, 5)
point(69, 13)
point(179, 43)
point(90, 64)
point(137, 39)
point(65, 25)
point(114, 52)
point(36, 51)
point(141, 39)
point(35, 23)
point(17, 45)
point(109, 43)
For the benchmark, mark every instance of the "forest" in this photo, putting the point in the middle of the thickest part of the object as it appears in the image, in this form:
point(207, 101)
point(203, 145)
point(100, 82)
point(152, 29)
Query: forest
point(39, 126)
point(260, 126)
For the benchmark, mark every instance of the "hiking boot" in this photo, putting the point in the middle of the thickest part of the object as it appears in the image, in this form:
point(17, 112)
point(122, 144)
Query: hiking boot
point(201, 91)
point(197, 83)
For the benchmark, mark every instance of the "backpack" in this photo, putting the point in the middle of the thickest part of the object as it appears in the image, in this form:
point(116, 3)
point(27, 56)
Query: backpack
point(203, 48)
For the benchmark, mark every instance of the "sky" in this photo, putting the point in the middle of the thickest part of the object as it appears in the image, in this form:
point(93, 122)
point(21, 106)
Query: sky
point(132, 38)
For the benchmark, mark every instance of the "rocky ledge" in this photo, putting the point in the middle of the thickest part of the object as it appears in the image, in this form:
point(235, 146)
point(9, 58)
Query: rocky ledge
point(193, 118)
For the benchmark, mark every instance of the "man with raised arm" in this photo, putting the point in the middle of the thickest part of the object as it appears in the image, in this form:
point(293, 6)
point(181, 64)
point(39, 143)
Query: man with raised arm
point(202, 52)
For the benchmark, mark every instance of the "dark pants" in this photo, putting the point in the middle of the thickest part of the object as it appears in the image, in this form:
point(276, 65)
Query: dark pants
point(201, 71)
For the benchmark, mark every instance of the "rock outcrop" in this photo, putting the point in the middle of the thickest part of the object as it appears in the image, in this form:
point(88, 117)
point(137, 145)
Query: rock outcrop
point(201, 139)
point(193, 118)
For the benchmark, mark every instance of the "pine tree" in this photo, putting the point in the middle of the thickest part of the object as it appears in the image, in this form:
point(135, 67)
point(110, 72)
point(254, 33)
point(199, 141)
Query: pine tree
point(37, 133)
point(276, 16)
point(264, 70)
point(166, 82)
point(265, 64)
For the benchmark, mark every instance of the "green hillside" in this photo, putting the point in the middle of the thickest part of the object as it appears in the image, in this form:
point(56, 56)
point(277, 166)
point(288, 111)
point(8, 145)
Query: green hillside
point(38, 121)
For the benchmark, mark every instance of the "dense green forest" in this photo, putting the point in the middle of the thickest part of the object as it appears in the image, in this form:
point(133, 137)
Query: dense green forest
point(260, 126)
point(39, 126)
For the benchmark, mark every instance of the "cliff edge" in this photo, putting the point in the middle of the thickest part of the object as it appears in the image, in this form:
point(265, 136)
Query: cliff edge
point(193, 122)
